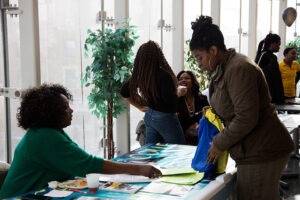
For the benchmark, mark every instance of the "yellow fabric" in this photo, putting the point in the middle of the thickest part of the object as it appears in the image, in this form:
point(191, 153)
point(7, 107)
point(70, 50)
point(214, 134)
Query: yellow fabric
point(288, 76)
point(215, 120)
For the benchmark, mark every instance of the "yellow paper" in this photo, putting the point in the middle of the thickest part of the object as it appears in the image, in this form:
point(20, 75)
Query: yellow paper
point(173, 171)
point(183, 179)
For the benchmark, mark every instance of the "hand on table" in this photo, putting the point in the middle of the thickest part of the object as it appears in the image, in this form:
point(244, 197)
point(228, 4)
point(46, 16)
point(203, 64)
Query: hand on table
point(150, 171)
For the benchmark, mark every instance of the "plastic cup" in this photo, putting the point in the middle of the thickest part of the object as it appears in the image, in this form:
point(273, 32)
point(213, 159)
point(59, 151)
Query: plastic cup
point(181, 90)
point(93, 183)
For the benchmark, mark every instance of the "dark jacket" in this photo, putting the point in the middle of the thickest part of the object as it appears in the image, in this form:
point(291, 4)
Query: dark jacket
point(167, 102)
point(269, 64)
point(183, 114)
point(239, 95)
point(186, 120)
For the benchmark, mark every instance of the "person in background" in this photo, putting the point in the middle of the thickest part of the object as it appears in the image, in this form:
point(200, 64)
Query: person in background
point(288, 68)
point(268, 62)
point(46, 153)
point(152, 88)
point(253, 135)
point(190, 106)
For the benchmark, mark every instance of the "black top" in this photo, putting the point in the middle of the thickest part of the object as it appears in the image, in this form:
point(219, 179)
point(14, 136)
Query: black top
point(269, 64)
point(183, 114)
point(166, 90)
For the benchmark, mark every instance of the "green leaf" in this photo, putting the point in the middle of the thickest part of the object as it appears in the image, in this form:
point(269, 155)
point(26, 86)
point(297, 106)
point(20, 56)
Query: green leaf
point(111, 65)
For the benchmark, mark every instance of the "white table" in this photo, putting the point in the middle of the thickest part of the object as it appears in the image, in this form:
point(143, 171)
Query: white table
point(288, 107)
point(181, 156)
point(292, 123)
point(295, 101)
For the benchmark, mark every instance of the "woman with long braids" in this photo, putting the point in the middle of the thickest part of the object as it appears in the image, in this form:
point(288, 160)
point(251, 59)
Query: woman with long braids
point(253, 135)
point(152, 88)
point(268, 62)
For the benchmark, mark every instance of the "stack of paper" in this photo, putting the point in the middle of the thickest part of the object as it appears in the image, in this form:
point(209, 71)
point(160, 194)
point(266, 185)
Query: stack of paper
point(124, 178)
point(166, 188)
point(183, 176)
point(175, 181)
point(120, 187)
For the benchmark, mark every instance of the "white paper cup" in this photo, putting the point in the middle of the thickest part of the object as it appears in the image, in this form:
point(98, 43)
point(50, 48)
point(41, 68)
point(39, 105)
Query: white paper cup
point(93, 183)
point(181, 90)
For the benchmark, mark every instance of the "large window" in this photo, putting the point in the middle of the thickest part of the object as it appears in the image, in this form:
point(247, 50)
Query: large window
point(267, 18)
point(230, 20)
point(234, 24)
point(3, 147)
point(14, 75)
point(62, 35)
point(146, 20)
point(192, 10)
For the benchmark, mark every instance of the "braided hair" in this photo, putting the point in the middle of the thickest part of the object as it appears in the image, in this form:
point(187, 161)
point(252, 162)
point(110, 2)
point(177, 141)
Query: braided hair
point(206, 34)
point(149, 59)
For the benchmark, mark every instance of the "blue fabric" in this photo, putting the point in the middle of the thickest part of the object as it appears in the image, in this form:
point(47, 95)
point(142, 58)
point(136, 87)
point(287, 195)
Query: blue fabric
point(163, 128)
point(206, 133)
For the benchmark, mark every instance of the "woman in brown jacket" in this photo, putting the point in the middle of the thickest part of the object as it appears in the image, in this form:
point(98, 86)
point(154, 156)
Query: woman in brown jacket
point(253, 134)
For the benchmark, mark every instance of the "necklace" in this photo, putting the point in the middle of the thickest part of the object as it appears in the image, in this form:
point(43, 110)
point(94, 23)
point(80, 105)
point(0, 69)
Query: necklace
point(190, 106)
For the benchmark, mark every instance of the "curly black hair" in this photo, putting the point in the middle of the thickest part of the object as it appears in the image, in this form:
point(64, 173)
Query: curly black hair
point(43, 107)
point(195, 83)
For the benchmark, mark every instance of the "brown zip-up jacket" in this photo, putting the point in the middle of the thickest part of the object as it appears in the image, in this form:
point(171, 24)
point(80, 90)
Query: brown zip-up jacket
point(239, 95)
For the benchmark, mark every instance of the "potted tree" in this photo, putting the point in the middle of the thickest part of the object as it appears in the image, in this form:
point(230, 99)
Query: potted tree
point(112, 63)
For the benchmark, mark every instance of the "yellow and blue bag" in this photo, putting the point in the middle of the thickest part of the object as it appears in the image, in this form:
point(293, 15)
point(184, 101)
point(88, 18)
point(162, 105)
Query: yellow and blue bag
point(209, 127)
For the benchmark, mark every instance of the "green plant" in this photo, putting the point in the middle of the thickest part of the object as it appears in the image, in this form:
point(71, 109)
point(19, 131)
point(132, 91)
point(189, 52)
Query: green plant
point(112, 64)
point(192, 65)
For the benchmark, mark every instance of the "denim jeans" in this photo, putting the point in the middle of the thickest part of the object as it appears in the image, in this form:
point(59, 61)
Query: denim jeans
point(163, 127)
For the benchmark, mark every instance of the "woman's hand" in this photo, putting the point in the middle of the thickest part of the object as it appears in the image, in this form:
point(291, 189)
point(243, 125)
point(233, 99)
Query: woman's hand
point(204, 110)
point(181, 90)
point(143, 108)
point(213, 154)
point(150, 171)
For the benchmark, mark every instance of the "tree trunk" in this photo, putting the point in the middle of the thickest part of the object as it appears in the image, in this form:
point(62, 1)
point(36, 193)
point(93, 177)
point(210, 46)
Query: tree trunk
point(110, 139)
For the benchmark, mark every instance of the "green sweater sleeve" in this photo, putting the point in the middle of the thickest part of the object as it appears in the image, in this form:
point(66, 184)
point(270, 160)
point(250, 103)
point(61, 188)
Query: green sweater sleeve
point(56, 151)
point(45, 155)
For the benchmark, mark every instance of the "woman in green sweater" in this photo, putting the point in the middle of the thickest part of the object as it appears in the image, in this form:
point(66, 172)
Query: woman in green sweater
point(46, 153)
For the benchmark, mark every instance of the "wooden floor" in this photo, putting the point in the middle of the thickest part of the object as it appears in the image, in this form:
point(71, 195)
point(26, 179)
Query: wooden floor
point(292, 190)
